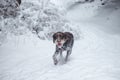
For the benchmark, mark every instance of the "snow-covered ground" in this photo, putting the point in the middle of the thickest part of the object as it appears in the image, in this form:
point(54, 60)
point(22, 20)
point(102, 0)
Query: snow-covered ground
point(95, 56)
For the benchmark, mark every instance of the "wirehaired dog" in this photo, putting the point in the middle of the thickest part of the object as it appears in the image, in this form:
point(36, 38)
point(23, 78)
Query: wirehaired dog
point(64, 42)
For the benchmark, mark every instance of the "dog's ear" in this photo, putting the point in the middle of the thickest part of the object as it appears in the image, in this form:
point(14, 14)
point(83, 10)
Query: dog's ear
point(54, 38)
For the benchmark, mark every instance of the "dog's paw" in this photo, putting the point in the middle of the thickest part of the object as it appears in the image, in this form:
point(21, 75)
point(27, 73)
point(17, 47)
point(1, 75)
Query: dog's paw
point(55, 62)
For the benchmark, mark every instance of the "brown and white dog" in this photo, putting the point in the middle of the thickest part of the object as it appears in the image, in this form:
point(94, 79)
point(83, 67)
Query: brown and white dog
point(64, 42)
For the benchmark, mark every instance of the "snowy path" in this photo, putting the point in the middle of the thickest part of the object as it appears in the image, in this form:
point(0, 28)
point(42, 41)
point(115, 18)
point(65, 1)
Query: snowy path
point(95, 57)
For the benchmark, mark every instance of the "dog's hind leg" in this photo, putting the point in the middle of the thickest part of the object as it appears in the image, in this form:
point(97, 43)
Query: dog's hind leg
point(55, 57)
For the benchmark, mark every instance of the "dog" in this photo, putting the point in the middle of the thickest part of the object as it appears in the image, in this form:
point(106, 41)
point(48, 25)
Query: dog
point(64, 42)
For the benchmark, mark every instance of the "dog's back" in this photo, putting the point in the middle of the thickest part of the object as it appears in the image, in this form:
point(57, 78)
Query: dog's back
point(70, 40)
point(69, 35)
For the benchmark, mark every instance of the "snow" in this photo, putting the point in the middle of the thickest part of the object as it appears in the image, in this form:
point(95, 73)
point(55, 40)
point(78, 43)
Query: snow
point(95, 56)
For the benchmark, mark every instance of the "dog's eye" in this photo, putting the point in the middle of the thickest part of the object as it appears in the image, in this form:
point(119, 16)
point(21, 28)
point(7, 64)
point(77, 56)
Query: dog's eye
point(62, 37)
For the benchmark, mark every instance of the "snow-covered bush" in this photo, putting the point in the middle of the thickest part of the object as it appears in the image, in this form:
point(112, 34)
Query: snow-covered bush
point(9, 8)
point(41, 20)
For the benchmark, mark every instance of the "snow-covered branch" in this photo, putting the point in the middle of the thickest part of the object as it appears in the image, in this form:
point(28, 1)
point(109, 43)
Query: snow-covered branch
point(41, 19)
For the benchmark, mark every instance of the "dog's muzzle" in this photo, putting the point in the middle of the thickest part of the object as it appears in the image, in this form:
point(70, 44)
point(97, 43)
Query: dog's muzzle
point(59, 44)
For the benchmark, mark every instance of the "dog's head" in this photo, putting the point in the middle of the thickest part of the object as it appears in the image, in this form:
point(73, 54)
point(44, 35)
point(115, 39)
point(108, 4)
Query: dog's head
point(59, 39)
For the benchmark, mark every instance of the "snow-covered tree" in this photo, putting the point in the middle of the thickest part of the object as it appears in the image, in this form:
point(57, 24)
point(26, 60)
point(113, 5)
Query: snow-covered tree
point(41, 18)
point(8, 8)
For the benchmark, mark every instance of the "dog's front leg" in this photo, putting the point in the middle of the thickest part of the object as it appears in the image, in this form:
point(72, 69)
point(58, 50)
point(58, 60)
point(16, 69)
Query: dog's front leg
point(61, 53)
point(55, 57)
point(67, 55)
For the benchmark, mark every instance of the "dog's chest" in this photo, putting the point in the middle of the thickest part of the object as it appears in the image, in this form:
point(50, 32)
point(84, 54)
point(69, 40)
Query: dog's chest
point(65, 47)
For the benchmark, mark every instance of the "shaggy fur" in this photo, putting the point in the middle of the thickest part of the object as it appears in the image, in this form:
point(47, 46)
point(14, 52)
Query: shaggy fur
point(64, 42)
